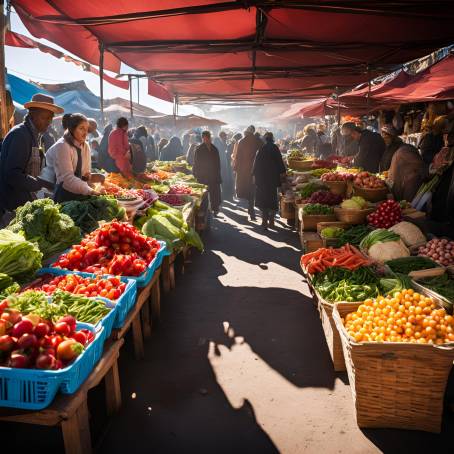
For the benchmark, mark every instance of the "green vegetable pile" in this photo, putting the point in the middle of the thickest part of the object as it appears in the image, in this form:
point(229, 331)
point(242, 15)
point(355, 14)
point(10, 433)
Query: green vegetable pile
point(40, 221)
point(331, 232)
point(406, 265)
point(339, 284)
point(309, 188)
point(165, 223)
point(19, 258)
point(396, 283)
point(312, 209)
point(87, 310)
point(7, 286)
point(354, 235)
point(378, 236)
point(442, 285)
point(86, 214)
point(319, 172)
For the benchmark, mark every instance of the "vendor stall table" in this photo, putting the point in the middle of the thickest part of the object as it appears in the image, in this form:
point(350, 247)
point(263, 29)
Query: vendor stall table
point(70, 411)
point(168, 267)
point(139, 318)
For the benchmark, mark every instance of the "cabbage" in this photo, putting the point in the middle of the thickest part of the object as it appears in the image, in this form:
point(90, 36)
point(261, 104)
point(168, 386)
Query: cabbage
point(410, 233)
point(360, 201)
point(350, 204)
point(382, 252)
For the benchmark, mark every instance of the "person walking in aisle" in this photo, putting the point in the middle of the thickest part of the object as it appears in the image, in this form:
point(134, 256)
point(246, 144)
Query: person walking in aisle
point(268, 170)
point(220, 143)
point(242, 162)
point(207, 170)
point(118, 148)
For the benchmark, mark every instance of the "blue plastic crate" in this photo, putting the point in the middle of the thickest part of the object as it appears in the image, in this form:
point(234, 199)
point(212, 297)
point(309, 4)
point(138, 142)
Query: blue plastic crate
point(124, 304)
point(34, 389)
point(108, 321)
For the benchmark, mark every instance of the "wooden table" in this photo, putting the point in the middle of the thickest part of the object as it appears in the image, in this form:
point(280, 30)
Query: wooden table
point(70, 411)
point(140, 318)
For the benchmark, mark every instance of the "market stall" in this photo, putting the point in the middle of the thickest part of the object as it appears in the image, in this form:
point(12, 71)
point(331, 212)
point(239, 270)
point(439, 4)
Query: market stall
point(384, 291)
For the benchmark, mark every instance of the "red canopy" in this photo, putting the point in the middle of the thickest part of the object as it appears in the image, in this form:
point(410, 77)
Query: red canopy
point(212, 49)
point(434, 84)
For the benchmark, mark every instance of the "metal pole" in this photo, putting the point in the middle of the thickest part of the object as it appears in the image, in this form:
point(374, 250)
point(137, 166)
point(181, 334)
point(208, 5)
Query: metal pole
point(131, 112)
point(3, 105)
point(338, 108)
point(138, 90)
point(101, 79)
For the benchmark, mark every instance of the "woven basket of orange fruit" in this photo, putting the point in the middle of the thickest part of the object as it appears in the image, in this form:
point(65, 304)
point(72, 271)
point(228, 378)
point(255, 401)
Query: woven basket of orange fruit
point(399, 352)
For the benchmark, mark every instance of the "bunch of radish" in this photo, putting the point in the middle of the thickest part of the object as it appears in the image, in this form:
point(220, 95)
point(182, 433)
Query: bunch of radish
point(386, 215)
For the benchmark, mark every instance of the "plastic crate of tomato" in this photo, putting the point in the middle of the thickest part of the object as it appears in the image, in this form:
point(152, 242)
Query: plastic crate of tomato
point(121, 291)
point(30, 380)
point(118, 249)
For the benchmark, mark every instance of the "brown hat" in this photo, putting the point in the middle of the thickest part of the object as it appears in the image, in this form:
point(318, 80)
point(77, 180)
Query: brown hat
point(42, 101)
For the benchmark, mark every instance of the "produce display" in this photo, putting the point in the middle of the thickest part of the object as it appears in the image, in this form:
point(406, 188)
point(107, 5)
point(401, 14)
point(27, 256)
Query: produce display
point(323, 163)
point(110, 287)
point(19, 258)
point(84, 309)
point(307, 189)
point(314, 209)
point(405, 316)
point(344, 257)
point(7, 286)
point(180, 189)
point(340, 284)
point(382, 245)
point(443, 285)
point(172, 199)
point(368, 180)
point(42, 222)
point(116, 248)
point(439, 250)
point(165, 223)
point(337, 176)
point(387, 214)
point(354, 235)
point(331, 232)
point(406, 265)
point(411, 235)
point(86, 214)
point(317, 173)
point(355, 203)
point(32, 342)
point(324, 198)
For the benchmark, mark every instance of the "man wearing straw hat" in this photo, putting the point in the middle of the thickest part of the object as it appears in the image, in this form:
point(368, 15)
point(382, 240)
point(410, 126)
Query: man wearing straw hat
point(22, 154)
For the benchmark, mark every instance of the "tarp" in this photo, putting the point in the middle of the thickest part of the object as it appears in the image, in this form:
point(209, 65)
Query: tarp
point(434, 84)
point(191, 46)
point(21, 90)
point(17, 40)
point(186, 121)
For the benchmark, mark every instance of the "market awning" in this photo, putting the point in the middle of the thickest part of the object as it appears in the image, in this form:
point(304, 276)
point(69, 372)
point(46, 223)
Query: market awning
point(186, 121)
point(208, 49)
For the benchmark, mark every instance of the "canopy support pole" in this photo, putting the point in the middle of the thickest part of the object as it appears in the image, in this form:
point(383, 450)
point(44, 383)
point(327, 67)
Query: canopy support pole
point(3, 103)
point(131, 112)
point(338, 108)
point(101, 80)
point(138, 90)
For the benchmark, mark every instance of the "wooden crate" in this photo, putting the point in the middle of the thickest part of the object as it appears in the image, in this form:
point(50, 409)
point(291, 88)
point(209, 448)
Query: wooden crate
point(287, 208)
point(310, 241)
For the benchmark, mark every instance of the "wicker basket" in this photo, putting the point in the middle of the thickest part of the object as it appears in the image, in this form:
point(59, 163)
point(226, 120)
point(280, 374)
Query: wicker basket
point(300, 165)
point(332, 336)
point(337, 187)
point(309, 223)
point(395, 385)
point(372, 195)
point(352, 217)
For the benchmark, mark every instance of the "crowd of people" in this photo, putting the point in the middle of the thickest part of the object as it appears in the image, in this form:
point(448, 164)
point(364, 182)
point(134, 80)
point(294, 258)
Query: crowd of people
point(248, 165)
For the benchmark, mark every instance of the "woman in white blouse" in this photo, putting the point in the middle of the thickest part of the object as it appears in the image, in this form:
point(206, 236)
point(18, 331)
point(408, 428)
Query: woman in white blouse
point(72, 163)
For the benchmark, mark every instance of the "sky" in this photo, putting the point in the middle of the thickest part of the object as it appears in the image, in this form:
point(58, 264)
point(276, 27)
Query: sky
point(32, 64)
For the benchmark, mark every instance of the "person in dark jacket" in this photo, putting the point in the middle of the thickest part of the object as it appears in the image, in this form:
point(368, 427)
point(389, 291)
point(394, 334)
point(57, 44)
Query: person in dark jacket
point(172, 150)
point(371, 147)
point(268, 170)
point(220, 143)
point(104, 159)
point(22, 155)
point(393, 142)
point(432, 141)
point(207, 169)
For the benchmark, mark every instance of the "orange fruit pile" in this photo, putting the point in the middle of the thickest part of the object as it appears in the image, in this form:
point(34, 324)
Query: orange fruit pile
point(407, 316)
